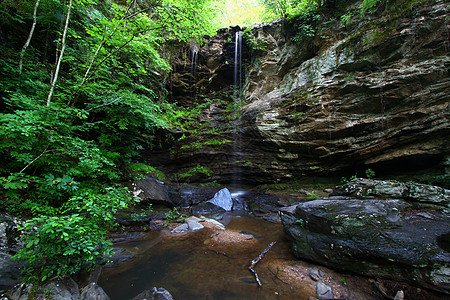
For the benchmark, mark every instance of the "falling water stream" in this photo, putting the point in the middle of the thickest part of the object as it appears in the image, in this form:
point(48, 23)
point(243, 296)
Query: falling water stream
point(194, 60)
point(236, 157)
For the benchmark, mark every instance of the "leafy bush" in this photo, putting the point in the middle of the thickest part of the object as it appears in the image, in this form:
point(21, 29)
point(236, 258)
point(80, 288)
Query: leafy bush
point(140, 170)
point(64, 244)
point(254, 43)
point(60, 245)
point(305, 21)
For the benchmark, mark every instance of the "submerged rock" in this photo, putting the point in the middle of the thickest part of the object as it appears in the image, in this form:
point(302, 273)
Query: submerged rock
point(389, 238)
point(117, 256)
point(154, 294)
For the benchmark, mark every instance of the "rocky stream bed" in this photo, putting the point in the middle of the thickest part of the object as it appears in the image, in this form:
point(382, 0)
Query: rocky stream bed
point(366, 239)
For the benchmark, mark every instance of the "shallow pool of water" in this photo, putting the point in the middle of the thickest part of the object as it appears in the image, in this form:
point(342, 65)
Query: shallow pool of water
point(194, 267)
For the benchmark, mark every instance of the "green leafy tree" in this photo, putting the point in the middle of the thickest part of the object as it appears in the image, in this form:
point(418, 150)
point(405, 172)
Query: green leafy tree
point(89, 96)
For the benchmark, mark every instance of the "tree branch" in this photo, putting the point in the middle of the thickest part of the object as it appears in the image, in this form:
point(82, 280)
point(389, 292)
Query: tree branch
point(63, 47)
point(256, 260)
point(30, 35)
point(115, 100)
point(36, 158)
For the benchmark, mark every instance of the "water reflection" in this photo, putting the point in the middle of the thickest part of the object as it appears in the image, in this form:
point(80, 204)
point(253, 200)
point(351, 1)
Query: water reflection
point(194, 267)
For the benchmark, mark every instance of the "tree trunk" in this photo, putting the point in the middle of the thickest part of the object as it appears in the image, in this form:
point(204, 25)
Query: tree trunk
point(30, 35)
point(58, 63)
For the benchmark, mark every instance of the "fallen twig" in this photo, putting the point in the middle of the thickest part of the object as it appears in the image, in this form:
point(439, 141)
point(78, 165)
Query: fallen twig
point(219, 252)
point(278, 277)
point(256, 260)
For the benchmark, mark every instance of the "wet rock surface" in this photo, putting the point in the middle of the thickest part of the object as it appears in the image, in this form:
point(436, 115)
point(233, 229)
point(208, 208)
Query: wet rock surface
point(9, 244)
point(58, 288)
point(415, 192)
point(151, 190)
point(93, 292)
point(389, 238)
point(154, 294)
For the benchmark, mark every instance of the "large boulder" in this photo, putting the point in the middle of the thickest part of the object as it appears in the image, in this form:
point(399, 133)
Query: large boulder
point(388, 238)
point(221, 202)
point(153, 191)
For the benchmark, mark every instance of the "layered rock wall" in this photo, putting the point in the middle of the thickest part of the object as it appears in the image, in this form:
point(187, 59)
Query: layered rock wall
point(371, 93)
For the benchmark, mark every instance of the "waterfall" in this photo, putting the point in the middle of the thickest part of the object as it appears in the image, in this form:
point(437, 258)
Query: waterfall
point(237, 65)
point(237, 172)
point(194, 60)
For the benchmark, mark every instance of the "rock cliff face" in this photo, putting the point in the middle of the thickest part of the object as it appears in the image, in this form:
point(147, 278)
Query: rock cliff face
point(370, 94)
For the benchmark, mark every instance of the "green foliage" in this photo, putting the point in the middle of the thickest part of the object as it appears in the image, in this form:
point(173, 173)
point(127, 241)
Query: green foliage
point(312, 195)
point(370, 173)
point(345, 19)
point(138, 215)
point(300, 222)
point(141, 170)
point(291, 8)
point(305, 22)
point(255, 43)
point(345, 180)
point(198, 144)
point(195, 170)
point(60, 245)
point(99, 207)
point(235, 12)
point(64, 244)
point(369, 6)
point(173, 215)
point(59, 163)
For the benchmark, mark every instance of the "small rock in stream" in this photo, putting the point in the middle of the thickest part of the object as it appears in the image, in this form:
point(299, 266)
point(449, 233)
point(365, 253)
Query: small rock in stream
point(188, 227)
point(212, 221)
point(323, 291)
point(154, 294)
point(316, 275)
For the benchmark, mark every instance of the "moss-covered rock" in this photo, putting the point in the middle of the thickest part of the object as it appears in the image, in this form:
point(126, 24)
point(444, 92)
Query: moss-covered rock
point(388, 238)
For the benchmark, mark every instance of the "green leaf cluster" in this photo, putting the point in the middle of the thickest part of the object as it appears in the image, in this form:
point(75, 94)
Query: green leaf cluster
point(59, 245)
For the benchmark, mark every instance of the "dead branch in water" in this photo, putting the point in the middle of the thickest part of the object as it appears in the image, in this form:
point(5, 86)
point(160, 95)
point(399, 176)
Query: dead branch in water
point(256, 260)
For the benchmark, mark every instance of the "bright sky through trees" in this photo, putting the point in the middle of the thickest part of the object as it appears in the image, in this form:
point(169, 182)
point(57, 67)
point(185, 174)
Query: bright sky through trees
point(242, 12)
